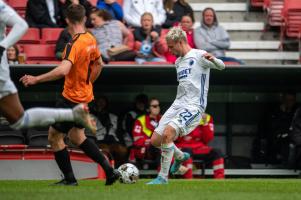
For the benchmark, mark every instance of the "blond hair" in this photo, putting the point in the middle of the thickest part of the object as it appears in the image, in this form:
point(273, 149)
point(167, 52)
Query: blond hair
point(176, 34)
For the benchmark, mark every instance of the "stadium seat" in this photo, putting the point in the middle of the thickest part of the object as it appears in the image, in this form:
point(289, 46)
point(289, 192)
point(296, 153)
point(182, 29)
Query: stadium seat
point(8, 137)
point(273, 9)
point(122, 63)
point(291, 14)
point(256, 3)
point(39, 52)
point(37, 138)
point(32, 36)
point(18, 4)
point(50, 35)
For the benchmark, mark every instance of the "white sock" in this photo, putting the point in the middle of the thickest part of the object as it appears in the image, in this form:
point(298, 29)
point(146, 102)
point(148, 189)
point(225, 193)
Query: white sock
point(43, 117)
point(179, 155)
point(167, 151)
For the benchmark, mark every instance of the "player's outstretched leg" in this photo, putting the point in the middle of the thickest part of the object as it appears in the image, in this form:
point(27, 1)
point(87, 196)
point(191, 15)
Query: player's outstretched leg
point(177, 163)
point(34, 117)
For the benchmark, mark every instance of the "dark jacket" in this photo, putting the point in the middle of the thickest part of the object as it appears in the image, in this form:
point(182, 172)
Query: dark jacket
point(87, 5)
point(64, 38)
point(37, 14)
point(176, 14)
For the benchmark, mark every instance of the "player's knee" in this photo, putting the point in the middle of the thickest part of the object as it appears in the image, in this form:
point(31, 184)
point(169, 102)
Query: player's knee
point(156, 140)
point(168, 135)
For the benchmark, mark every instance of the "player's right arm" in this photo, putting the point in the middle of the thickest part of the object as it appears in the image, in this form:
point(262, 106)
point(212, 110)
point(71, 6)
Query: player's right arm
point(59, 72)
point(19, 27)
point(213, 62)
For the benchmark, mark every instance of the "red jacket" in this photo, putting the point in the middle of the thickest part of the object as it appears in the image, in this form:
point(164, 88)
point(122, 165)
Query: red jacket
point(143, 129)
point(199, 138)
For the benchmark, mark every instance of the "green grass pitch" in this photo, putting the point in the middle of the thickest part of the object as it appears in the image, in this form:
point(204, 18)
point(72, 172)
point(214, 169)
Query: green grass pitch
point(178, 189)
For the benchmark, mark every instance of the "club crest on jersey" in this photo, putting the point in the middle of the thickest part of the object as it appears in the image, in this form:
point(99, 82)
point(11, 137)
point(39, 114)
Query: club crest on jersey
point(184, 73)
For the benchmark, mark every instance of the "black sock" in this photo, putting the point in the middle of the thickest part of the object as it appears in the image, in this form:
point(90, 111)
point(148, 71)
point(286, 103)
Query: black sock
point(62, 158)
point(93, 152)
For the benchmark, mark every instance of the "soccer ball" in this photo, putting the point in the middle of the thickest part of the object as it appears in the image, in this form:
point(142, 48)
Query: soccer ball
point(129, 173)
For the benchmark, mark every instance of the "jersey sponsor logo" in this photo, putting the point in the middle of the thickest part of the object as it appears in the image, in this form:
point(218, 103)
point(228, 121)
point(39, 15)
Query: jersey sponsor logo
point(184, 73)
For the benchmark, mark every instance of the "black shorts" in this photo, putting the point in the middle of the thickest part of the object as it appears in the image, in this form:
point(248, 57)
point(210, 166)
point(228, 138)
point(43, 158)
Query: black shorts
point(64, 127)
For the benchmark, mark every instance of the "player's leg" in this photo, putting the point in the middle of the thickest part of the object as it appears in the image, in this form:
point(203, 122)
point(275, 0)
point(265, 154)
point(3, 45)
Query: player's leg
point(48, 116)
point(167, 151)
point(77, 137)
point(62, 157)
point(11, 108)
point(180, 157)
point(186, 120)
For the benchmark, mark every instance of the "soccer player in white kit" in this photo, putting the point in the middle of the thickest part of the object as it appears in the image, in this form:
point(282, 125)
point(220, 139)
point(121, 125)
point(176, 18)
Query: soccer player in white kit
point(193, 70)
point(10, 105)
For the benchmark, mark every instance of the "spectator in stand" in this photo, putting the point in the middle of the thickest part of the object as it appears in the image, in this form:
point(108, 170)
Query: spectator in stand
point(196, 143)
point(133, 10)
point(43, 13)
point(186, 23)
point(106, 133)
point(87, 5)
point(64, 38)
point(212, 37)
point(143, 128)
point(175, 10)
point(112, 7)
point(111, 34)
point(150, 46)
point(12, 55)
point(139, 108)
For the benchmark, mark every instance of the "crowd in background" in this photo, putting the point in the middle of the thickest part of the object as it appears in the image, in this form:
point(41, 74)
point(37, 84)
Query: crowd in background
point(135, 30)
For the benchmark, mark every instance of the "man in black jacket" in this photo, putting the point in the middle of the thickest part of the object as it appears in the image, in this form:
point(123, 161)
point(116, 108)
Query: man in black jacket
point(43, 13)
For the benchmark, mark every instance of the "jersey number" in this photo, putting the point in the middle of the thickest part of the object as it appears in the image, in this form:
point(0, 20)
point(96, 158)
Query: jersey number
point(186, 115)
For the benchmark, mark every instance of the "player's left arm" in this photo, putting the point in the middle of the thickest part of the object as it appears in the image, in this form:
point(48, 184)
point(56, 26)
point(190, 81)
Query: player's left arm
point(96, 70)
point(59, 72)
point(214, 62)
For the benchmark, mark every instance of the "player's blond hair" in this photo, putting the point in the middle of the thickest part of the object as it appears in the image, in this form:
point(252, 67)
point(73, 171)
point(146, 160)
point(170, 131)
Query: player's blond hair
point(176, 34)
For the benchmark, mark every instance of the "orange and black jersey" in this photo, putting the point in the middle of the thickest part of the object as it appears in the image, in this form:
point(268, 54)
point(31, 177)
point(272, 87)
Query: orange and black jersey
point(82, 52)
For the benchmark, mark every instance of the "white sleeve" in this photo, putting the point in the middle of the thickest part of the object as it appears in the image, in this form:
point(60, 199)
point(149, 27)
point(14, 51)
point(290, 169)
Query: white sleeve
point(19, 27)
point(216, 64)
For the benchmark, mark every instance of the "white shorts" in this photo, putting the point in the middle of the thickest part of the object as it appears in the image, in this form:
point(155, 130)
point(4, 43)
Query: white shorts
point(6, 88)
point(182, 119)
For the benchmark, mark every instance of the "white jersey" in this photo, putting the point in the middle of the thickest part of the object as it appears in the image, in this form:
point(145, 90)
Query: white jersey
point(193, 72)
point(9, 17)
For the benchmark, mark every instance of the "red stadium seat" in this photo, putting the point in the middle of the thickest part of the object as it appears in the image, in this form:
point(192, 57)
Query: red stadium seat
point(257, 3)
point(291, 14)
point(274, 8)
point(18, 4)
point(50, 35)
point(32, 36)
point(40, 52)
point(122, 63)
